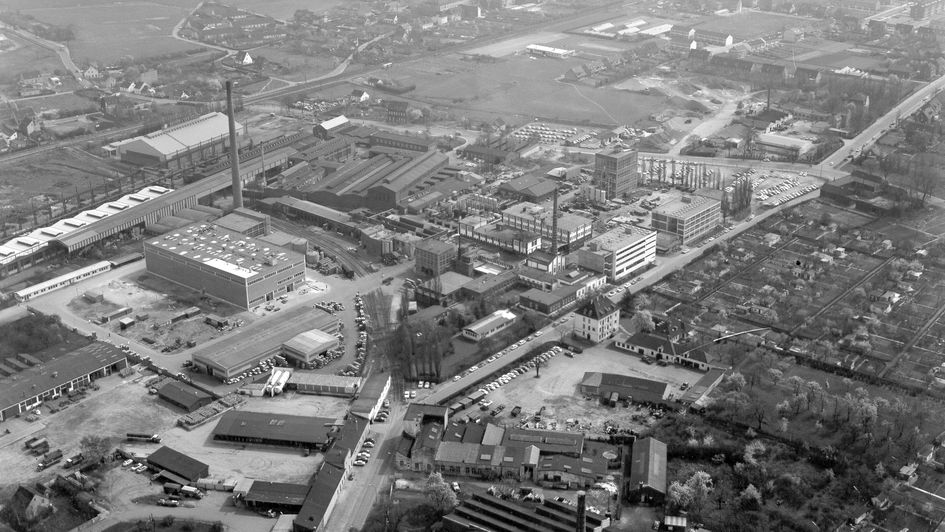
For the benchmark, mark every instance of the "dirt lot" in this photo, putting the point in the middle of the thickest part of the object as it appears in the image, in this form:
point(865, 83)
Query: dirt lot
point(557, 390)
point(120, 406)
point(160, 300)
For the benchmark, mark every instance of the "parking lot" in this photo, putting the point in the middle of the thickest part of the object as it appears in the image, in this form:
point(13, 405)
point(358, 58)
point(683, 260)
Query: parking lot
point(557, 391)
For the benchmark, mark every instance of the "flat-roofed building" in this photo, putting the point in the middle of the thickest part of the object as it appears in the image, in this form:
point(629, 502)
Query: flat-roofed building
point(231, 267)
point(492, 324)
point(276, 496)
point(690, 217)
point(304, 348)
point(179, 146)
point(323, 384)
point(434, 257)
point(246, 222)
point(573, 230)
point(263, 428)
point(619, 253)
point(240, 351)
point(616, 173)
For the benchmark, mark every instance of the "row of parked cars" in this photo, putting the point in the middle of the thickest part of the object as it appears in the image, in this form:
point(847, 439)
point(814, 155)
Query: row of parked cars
point(263, 367)
point(506, 378)
point(365, 453)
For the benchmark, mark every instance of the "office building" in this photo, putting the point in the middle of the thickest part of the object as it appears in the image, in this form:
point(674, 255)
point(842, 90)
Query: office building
point(434, 257)
point(619, 253)
point(689, 218)
point(616, 173)
point(229, 266)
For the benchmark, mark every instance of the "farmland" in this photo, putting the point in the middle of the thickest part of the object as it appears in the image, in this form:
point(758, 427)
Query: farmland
point(106, 32)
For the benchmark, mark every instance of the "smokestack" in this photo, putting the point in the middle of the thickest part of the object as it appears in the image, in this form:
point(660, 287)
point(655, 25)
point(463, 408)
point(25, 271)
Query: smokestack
point(581, 511)
point(234, 148)
point(554, 225)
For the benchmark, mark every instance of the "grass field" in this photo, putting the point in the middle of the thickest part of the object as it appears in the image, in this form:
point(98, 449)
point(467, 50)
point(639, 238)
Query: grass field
point(524, 88)
point(106, 31)
point(26, 57)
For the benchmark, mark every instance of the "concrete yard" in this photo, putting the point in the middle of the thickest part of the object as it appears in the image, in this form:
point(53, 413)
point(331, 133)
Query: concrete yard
point(557, 390)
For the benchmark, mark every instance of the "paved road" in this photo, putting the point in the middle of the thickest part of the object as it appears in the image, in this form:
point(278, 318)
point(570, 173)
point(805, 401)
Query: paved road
point(875, 130)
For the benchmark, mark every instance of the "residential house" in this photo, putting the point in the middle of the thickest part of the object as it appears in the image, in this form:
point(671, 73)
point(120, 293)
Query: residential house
point(92, 73)
point(244, 59)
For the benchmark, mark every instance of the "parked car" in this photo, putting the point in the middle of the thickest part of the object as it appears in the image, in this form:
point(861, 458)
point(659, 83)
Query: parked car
point(168, 502)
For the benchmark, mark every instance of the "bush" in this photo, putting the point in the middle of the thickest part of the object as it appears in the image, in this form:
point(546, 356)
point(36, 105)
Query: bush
point(167, 521)
point(187, 526)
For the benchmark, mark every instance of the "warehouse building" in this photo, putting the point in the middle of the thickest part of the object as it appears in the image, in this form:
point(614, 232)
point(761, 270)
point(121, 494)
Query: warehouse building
point(231, 267)
point(647, 481)
point(282, 430)
point(176, 147)
point(240, 351)
point(305, 348)
point(492, 324)
point(620, 253)
point(690, 218)
point(276, 496)
point(613, 387)
point(323, 384)
point(29, 387)
point(177, 463)
point(616, 173)
point(184, 396)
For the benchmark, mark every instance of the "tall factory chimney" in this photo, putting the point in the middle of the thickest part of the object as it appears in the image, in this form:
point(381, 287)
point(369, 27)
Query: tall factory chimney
point(581, 511)
point(554, 224)
point(234, 148)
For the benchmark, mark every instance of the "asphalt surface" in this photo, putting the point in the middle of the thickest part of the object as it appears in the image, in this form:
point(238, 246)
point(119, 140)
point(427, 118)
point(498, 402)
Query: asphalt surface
point(446, 390)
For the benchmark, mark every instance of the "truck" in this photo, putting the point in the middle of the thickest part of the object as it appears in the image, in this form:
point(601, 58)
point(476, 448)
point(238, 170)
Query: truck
point(515, 411)
point(27, 443)
point(49, 459)
point(139, 436)
point(74, 461)
point(190, 491)
point(171, 488)
point(37, 443)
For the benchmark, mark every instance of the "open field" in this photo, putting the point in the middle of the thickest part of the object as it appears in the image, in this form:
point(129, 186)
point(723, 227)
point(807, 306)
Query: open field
point(558, 392)
point(27, 57)
point(56, 172)
point(62, 102)
point(750, 24)
point(107, 31)
point(524, 88)
point(300, 67)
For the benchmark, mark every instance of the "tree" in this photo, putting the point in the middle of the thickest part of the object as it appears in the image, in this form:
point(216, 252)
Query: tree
point(699, 485)
point(642, 321)
point(753, 450)
point(95, 448)
point(441, 495)
point(679, 496)
point(750, 498)
point(734, 382)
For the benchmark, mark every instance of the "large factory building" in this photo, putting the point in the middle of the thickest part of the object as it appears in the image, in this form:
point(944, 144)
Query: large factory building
point(227, 265)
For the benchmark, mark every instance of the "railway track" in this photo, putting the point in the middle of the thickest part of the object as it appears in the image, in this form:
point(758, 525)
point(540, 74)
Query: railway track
point(339, 250)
